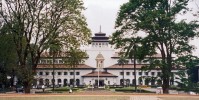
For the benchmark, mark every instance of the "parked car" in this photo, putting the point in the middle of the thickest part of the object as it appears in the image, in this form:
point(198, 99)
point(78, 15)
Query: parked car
point(40, 86)
point(19, 88)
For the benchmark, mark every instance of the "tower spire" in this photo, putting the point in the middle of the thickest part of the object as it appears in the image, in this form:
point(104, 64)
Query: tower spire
point(100, 28)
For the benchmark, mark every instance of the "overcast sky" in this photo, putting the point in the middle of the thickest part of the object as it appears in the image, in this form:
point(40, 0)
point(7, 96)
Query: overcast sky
point(104, 13)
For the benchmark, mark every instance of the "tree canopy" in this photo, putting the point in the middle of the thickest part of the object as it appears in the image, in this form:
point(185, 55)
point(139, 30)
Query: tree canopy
point(33, 25)
point(155, 23)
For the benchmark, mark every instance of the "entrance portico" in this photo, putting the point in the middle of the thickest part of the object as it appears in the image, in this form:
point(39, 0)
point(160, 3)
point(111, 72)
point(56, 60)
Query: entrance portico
point(105, 78)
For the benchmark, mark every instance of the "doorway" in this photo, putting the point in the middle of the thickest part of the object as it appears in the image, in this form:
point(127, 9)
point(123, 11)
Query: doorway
point(101, 83)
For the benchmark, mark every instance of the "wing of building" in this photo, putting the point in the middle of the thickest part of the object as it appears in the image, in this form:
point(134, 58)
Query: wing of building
point(99, 69)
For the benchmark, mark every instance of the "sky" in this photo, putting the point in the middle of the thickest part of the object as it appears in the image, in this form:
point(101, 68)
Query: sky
point(104, 13)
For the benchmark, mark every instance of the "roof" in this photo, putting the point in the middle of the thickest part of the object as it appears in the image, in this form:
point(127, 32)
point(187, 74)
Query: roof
point(117, 55)
point(138, 66)
point(99, 57)
point(126, 66)
point(46, 66)
point(101, 74)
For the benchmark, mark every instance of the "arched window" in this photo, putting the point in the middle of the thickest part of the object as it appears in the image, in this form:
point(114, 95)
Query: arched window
point(71, 81)
point(133, 82)
point(140, 81)
point(59, 82)
point(41, 82)
point(65, 82)
point(77, 82)
point(47, 82)
point(121, 82)
point(127, 82)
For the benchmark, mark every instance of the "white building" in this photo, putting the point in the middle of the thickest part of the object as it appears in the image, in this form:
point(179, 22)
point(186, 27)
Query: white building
point(101, 66)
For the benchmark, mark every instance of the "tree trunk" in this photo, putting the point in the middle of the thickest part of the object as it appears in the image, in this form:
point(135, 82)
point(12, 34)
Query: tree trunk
point(74, 78)
point(27, 87)
point(165, 85)
point(123, 74)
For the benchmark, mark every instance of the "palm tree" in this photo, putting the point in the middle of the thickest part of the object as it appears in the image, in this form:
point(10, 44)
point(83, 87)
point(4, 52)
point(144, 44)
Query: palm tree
point(73, 58)
point(122, 61)
point(133, 51)
point(132, 55)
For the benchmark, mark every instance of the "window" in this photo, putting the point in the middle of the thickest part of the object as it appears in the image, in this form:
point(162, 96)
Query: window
point(146, 73)
point(43, 61)
point(40, 73)
point(159, 73)
point(59, 73)
point(52, 73)
point(71, 73)
point(121, 73)
point(132, 61)
point(152, 73)
point(49, 61)
point(133, 73)
point(127, 73)
point(65, 73)
point(140, 73)
point(60, 61)
point(47, 73)
point(77, 73)
point(56, 61)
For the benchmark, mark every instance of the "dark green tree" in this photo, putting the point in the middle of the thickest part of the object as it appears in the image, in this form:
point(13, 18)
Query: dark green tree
point(73, 58)
point(8, 57)
point(32, 23)
point(155, 21)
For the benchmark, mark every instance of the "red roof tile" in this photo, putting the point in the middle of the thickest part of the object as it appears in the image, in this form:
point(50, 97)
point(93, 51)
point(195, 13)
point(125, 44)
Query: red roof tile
point(117, 55)
point(80, 66)
point(126, 66)
point(101, 74)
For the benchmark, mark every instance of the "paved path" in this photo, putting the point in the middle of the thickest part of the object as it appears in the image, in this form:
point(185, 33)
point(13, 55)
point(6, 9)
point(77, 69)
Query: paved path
point(144, 98)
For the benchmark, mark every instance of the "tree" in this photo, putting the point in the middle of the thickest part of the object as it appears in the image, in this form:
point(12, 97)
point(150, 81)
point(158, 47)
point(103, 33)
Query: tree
point(55, 48)
point(122, 61)
point(156, 21)
point(8, 58)
point(73, 58)
point(189, 81)
point(32, 24)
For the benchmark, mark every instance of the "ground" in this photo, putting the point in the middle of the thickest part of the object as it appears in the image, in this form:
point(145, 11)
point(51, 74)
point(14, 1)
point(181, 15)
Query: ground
point(96, 95)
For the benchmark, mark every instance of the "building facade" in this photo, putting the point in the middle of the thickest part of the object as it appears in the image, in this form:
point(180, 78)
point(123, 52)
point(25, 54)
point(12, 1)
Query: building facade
point(101, 68)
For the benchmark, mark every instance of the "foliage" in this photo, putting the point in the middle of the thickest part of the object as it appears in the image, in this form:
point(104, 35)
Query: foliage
point(8, 58)
point(188, 81)
point(154, 24)
point(34, 24)
point(65, 89)
point(73, 58)
point(132, 90)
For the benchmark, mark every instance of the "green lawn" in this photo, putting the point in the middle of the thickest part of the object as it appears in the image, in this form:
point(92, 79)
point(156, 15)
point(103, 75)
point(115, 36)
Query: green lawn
point(68, 98)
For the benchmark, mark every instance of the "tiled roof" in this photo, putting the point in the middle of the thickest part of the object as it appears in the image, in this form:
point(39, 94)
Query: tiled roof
point(126, 66)
point(101, 74)
point(138, 66)
point(117, 55)
point(80, 66)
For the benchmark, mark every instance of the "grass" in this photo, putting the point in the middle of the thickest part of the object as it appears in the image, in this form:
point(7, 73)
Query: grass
point(132, 89)
point(68, 98)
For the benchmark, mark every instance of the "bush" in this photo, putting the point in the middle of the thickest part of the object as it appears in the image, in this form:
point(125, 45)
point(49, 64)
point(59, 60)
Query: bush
point(65, 89)
point(132, 89)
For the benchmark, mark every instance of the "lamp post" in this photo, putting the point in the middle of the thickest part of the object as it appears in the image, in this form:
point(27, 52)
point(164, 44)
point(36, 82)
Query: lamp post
point(98, 76)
